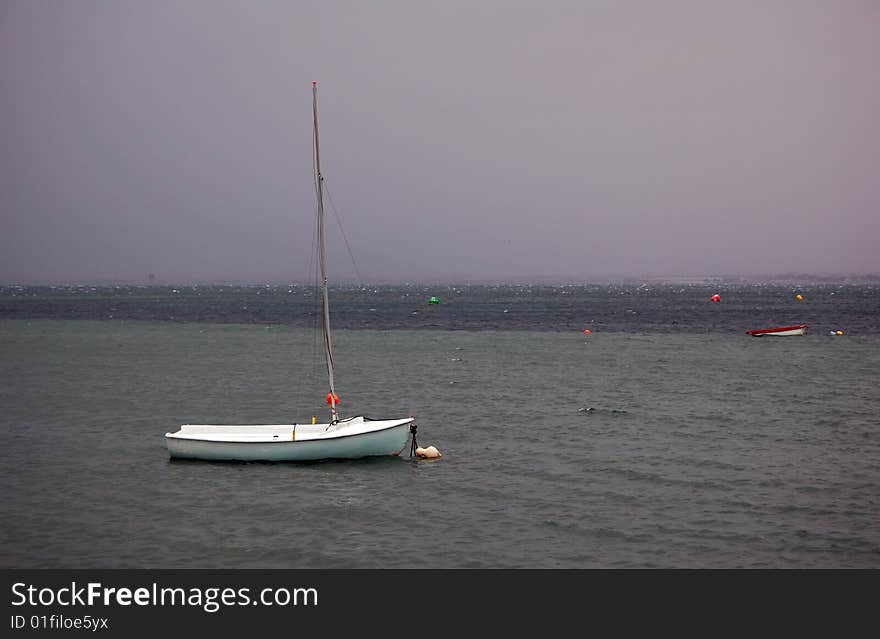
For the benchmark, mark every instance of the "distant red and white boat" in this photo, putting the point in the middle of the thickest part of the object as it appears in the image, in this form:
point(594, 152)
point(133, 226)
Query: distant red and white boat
point(798, 329)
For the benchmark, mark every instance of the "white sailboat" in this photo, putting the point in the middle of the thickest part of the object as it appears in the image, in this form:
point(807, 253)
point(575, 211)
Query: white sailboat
point(348, 438)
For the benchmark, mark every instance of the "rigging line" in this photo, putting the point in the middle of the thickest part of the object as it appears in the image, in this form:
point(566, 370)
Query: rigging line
point(319, 190)
point(305, 379)
point(313, 267)
point(344, 237)
point(328, 352)
point(306, 387)
point(315, 302)
point(319, 179)
point(304, 382)
point(313, 261)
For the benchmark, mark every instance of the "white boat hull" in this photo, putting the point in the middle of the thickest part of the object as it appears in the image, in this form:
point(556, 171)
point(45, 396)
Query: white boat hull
point(800, 329)
point(794, 331)
point(349, 439)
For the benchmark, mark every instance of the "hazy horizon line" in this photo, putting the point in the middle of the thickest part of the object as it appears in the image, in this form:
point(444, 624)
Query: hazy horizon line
point(543, 280)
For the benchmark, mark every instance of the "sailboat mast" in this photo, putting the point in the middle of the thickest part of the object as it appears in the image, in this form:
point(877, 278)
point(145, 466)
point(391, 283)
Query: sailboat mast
point(319, 186)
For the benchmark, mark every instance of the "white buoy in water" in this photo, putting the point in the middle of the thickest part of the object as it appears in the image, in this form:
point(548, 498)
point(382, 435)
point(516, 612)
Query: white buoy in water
point(428, 453)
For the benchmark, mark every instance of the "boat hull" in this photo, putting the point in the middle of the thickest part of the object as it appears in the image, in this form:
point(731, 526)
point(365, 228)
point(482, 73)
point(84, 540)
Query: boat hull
point(800, 329)
point(383, 438)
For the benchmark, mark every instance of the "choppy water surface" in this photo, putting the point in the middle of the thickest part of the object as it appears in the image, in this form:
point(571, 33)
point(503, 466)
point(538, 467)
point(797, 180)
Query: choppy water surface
point(641, 448)
point(641, 308)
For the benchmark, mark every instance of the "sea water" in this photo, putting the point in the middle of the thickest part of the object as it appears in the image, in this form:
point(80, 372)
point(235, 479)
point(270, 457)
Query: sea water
point(664, 438)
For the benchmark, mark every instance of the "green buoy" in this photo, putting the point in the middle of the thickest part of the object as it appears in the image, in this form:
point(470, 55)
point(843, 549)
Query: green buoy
point(433, 300)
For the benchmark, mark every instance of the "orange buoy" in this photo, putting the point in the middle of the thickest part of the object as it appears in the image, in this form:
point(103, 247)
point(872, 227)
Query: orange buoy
point(332, 398)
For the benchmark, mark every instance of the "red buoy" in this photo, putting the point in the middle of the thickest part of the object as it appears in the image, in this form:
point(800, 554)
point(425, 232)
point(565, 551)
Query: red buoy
point(586, 331)
point(715, 298)
point(332, 398)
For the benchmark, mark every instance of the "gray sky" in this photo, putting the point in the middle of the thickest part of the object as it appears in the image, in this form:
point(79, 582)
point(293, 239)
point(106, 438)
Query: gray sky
point(460, 140)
